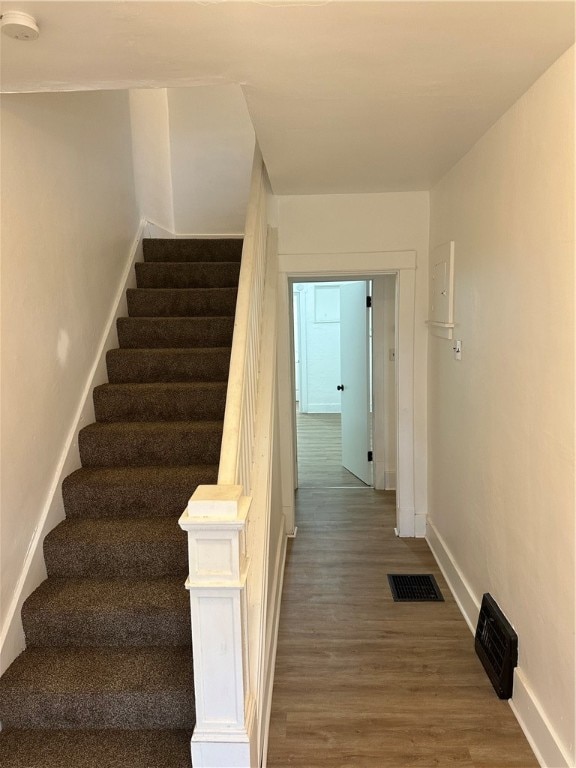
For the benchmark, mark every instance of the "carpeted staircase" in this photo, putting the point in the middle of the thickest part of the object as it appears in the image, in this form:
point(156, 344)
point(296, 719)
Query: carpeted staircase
point(106, 677)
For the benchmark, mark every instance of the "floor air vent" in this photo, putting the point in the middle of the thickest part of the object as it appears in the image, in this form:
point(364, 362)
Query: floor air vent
point(496, 644)
point(414, 588)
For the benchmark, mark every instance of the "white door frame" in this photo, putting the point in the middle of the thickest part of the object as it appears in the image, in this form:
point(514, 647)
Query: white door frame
point(360, 266)
point(300, 329)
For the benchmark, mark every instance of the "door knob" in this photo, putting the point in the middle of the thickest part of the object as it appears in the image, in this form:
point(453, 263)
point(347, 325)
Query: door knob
point(340, 387)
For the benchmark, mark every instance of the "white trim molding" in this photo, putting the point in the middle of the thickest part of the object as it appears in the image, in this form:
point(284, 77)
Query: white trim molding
point(466, 600)
point(156, 231)
point(273, 638)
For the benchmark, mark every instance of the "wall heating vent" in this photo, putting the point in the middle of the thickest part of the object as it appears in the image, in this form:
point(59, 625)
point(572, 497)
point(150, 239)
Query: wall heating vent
point(496, 644)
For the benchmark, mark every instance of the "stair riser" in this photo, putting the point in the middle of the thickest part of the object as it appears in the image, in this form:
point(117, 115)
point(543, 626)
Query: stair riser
point(183, 275)
point(148, 366)
point(156, 404)
point(126, 499)
point(158, 447)
point(122, 709)
point(156, 302)
point(226, 249)
point(89, 560)
point(117, 629)
point(170, 333)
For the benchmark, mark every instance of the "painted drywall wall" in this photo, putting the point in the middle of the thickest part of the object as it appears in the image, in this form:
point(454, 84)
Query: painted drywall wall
point(193, 150)
point(501, 422)
point(151, 155)
point(331, 224)
point(68, 220)
point(211, 150)
point(319, 336)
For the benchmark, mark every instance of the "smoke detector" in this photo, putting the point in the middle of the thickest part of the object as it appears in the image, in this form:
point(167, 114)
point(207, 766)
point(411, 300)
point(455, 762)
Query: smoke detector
point(19, 25)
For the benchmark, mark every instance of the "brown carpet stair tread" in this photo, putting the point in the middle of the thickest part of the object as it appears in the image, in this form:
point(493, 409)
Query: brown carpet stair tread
point(171, 401)
point(133, 491)
point(174, 332)
point(116, 547)
point(106, 669)
point(168, 365)
point(107, 687)
point(95, 749)
point(140, 443)
point(181, 302)
point(221, 249)
point(219, 274)
point(102, 612)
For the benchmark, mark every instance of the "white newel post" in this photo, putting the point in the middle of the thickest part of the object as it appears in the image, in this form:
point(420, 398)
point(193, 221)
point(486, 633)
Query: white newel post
point(225, 732)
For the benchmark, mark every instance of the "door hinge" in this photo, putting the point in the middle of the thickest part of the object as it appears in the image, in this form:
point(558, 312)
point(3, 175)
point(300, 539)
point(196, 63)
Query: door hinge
point(370, 456)
point(368, 302)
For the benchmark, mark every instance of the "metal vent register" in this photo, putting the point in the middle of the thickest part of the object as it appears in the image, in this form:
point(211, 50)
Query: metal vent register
point(496, 644)
point(414, 588)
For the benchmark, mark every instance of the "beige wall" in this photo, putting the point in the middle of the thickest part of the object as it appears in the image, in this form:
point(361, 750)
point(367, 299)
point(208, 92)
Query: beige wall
point(151, 155)
point(399, 221)
point(212, 147)
point(501, 421)
point(193, 151)
point(68, 221)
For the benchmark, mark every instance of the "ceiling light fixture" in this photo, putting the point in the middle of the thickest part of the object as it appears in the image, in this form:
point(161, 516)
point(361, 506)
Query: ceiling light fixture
point(19, 25)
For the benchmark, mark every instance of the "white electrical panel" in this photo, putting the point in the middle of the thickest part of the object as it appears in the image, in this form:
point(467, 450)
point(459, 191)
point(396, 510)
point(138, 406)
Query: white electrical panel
point(441, 317)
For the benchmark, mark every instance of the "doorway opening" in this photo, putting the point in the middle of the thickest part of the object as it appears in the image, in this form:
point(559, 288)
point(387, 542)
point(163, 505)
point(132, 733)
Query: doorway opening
point(400, 266)
point(344, 333)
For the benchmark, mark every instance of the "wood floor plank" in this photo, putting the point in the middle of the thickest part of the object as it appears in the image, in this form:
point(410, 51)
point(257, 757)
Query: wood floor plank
point(320, 452)
point(362, 681)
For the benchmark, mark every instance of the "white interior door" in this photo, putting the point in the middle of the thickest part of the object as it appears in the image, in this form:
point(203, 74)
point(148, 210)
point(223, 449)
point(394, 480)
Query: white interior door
point(355, 378)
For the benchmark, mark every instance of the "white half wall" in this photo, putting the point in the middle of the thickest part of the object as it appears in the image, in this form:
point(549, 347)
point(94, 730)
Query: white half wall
point(501, 424)
point(68, 222)
point(363, 223)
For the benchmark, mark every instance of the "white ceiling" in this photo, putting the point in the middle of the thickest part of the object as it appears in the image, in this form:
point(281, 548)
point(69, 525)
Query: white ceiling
point(344, 96)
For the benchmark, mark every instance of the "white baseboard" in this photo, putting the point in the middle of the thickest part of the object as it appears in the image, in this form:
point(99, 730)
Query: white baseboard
point(541, 736)
point(465, 598)
point(231, 748)
point(271, 655)
point(33, 570)
point(156, 231)
point(539, 732)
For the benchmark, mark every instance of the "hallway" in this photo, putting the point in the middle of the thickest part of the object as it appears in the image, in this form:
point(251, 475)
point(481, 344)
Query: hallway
point(362, 681)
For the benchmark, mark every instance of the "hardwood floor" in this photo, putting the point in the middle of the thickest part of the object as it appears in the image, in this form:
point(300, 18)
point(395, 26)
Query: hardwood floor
point(363, 682)
point(320, 452)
